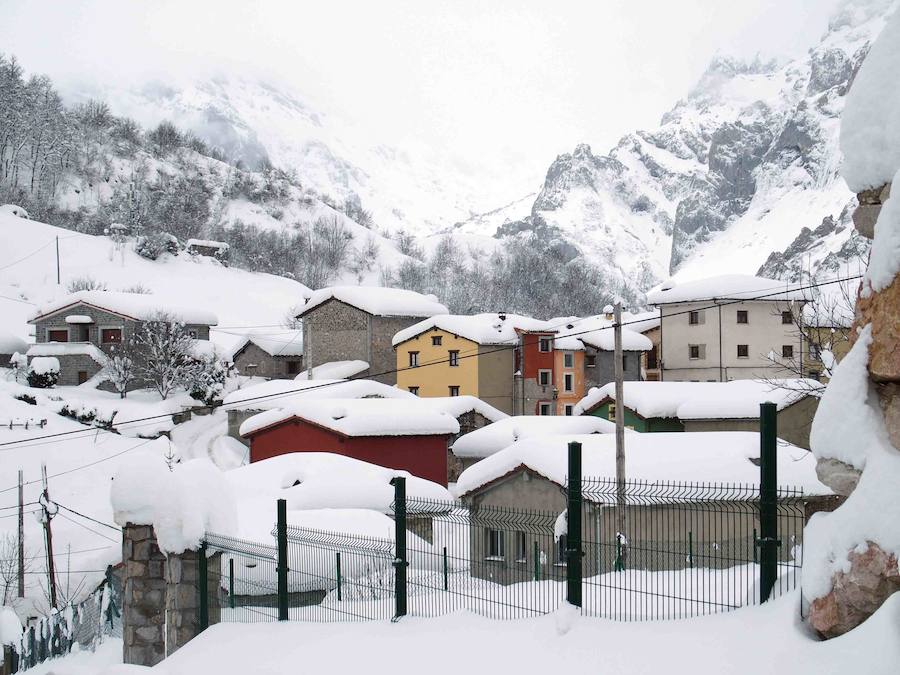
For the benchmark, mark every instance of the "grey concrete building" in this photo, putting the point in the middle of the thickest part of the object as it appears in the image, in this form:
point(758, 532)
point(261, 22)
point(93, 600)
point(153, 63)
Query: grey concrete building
point(83, 328)
point(346, 323)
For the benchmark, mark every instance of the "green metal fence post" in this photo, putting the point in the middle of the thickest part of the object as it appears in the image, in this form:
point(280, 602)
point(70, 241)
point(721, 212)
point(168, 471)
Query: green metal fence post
point(537, 562)
point(446, 578)
point(768, 495)
point(231, 583)
point(400, 563)
point(690, 548)
point(203, 573)
point(573, 528)
point(338, 557)
point(281, 531)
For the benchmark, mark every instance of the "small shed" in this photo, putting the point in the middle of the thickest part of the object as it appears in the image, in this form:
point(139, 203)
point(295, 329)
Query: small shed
point(277, 355)
point(209, 248)
point(395, 434)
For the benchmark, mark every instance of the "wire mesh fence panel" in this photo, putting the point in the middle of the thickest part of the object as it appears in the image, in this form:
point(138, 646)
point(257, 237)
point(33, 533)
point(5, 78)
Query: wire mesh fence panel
point(498, 562)
point(667, 550)
point(336, 576)
point(243, 582)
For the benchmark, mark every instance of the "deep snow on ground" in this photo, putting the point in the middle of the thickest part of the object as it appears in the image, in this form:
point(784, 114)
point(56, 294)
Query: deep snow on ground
point(766, 639)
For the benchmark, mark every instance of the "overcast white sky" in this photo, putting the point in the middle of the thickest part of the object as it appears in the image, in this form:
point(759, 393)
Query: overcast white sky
point(477, 80)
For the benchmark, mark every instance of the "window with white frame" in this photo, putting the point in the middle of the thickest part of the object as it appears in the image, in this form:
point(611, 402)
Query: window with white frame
point(545, 409)
point(454, 358)
point(569, 360)
point(569, 382)
point(413, 359)
point(545, 377)
point(495, 544)
point(569, 410)
point(544, 344)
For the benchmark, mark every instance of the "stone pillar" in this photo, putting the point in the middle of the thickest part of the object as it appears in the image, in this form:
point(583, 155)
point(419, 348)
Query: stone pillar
point(143, 616)
point(183, 597)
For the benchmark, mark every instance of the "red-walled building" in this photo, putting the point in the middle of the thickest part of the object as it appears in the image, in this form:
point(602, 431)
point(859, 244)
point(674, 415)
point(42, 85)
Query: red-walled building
point(397, 434)
point(535, 373)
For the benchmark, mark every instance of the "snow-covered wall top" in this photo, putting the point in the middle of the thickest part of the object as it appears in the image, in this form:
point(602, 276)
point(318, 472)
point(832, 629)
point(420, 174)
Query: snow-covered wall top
point(738, 399)
point(494, 437)
point(725, 287)
point(460, 405)
point(140, 306)
point(870, 125)
point(181, 504)
point(279, 393)
point(67, 348)
point(709, 457)
point(378, 301)
point(361, 417)
point(334, 370)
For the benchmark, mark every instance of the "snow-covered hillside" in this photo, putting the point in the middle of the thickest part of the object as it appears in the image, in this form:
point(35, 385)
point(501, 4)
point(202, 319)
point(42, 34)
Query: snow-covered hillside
point(733, 174)
point(28, 279)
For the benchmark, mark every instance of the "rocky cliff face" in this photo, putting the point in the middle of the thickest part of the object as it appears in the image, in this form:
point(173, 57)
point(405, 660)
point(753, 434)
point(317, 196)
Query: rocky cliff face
point(741, 175)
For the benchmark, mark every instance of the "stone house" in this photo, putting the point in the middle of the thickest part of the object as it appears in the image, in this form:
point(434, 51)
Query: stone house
point(731, 327)
point(209, 248)
point(83, 328)
point(358, 323)
point(275, 356)
point(516, 496)
point(710, 406)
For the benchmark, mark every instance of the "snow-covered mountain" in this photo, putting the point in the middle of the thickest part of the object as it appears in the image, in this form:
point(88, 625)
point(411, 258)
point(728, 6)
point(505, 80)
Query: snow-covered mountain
point(743, 168)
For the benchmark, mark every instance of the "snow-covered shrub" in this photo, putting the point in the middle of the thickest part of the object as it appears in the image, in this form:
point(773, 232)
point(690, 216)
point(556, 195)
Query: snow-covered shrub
point(43, 372)
point(14, 210)
point(155, 244)
point(85, 283)
point(120, 368)
point(168, 354)
point(30, 400)
point(138, 288)
point(208, 383)
point(18, 363)
point(85, 415)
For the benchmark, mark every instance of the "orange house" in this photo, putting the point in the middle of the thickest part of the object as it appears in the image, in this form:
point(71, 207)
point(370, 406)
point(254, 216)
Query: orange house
point(568, 372)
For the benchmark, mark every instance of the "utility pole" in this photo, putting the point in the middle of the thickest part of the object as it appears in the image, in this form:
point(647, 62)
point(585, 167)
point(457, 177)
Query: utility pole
point(21, 535)
point(48, 533)
point(620, 432)
point(57, 262)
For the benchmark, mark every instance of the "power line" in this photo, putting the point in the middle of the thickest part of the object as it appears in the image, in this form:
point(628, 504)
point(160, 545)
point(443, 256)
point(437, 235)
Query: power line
point(94, 520)
point(82, 525)
point(463, 355)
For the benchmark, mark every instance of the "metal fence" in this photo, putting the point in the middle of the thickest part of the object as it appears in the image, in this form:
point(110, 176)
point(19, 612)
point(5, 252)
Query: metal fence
point(636, 550)
point(82, 624)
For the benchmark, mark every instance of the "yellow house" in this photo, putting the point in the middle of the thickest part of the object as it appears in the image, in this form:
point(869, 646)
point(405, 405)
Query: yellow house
point(457, 355)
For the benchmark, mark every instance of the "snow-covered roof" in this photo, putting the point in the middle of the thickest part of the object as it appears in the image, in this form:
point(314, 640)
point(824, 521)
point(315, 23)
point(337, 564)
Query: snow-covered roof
point(10, 344)
point(870, 131)
point(14, 210)
point(279, 393)
point(208, 243)
point(641, 322)
point(494, 437)
point(287, 342)
point(66, 349)
point(335, 370)
point(44, 364)
point(360, 417)
point(460, 405)
point(486, 329)
point(738, 399)
point(378, 301)
point(699, 457)
point(597, 331)
point(725, 287)
point(138, 306)
point(323, 480)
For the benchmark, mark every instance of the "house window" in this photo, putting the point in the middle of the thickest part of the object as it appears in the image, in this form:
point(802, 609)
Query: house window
point(743, 351)
point(192, 334)
point(82, 376)
point(652, 358)
point(544, 344)
point(293, 367)
point(569, 410)
point(111, 336)
point(436, 340)
point(495, 545)
point(694, 351)
point(611, 415)
point(544, 377)
point(590, 360)
point(454, 359)
point(787, 351)
point(414, 390)
point(624, 361)
point(59, 335)
point(742, 316)
point(561, 550)
point(454, 390)
point(815, 375)
point(694, 318)
point(568, 360)
point(413, 359)
point(569, 382)
point(544, 409)
point(787, 317)
point(521, 548)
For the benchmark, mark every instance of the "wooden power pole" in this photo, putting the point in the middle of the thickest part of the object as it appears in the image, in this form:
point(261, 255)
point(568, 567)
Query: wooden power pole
point(21, 535)
point(620, 430)
point(48, 533)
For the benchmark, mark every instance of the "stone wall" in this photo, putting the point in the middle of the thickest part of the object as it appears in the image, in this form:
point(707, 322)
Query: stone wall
point(143, 616)
point(335, 331)
point(604, 370)
point(183, 597)
point(264, 364)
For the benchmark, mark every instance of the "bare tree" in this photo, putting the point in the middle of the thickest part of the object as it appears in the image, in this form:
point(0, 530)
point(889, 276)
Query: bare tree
point(166, 354)
point(9, 566)
point(120, 367)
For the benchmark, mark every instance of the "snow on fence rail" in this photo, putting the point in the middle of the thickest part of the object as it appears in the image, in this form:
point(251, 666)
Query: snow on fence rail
point(687, 549)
